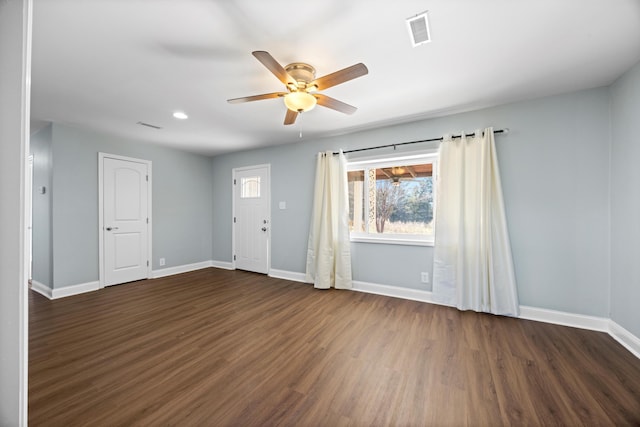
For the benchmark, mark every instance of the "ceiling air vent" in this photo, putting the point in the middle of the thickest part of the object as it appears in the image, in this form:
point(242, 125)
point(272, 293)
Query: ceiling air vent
point(149, 125)
point(419, 29)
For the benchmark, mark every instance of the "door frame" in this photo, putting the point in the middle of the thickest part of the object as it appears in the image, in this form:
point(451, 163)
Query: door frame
point(29, 212)
point(234, 172)
point(101, 157)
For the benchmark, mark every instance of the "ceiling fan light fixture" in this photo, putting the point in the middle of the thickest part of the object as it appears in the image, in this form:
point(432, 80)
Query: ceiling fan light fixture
point(300, 101)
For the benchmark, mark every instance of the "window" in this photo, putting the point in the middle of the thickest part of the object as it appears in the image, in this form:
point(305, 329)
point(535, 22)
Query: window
point(391, 200)
point(250, 187)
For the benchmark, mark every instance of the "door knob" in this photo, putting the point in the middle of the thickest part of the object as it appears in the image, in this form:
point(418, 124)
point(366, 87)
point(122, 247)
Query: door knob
point(264, 228)
point(111, 228)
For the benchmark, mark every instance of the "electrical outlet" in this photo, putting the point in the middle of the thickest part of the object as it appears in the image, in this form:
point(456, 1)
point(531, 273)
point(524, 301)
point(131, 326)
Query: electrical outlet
point(162, 261)
point(424, 277)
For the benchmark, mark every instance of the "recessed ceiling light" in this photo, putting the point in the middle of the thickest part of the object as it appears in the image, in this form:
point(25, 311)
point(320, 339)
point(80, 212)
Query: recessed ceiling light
point(180, 115)
point(149, 125)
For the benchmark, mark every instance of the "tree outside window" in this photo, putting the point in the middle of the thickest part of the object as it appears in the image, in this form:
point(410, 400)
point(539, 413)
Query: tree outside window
point(392, 200)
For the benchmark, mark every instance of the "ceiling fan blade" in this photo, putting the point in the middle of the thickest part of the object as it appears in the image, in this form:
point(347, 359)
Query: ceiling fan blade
point(274, 66)
point(334, 104)
point(256, 97)
point(341, 76)
point(291, 117)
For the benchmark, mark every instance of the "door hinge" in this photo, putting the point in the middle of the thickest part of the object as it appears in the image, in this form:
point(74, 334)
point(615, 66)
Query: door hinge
point(147, 220)
point(147, 263)
point(234, 181)
point(234, 219)
point(147, 178)
point(234, 257)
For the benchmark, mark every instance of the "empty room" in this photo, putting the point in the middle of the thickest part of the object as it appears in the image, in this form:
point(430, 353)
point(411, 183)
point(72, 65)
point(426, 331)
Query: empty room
point(363, 213)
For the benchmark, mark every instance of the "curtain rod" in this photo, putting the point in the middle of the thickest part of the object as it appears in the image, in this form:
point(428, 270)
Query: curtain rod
point(505, 130)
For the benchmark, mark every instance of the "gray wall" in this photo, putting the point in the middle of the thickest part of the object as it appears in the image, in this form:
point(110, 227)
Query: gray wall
point(554, 173)
point(182, 203)
point(625, 201)
point(14, 113)
point(40, 145)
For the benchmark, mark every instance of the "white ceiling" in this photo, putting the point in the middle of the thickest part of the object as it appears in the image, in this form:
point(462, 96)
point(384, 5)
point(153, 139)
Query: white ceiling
point(108, 64)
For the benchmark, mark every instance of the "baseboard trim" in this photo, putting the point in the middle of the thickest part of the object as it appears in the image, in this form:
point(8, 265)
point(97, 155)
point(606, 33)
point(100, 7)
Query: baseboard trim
point(42, 289)
point(170, 271)
point(223, 265)
point(81, 288)
point(395, 291)
point(581, 321)
point(624, 337)
point(287, 275)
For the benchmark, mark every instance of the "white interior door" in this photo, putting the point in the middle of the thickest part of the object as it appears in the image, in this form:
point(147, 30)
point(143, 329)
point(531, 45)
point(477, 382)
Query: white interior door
point(252, 218)
point(125, 220)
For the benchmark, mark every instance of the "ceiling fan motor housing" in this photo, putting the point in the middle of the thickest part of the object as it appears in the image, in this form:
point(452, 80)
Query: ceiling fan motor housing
point(301, 73)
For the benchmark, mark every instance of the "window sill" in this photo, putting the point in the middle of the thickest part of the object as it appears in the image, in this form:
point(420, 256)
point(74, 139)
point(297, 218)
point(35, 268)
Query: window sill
point(392, 241)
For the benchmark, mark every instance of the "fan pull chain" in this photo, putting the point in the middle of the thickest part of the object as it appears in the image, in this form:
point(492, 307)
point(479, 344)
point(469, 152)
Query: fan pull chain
point(300, 123)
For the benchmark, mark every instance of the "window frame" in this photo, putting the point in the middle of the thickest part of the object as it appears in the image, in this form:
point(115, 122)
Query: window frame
point(395, 160)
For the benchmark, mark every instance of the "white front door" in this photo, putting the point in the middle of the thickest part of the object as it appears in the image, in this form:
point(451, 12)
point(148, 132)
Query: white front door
point(125, 220)
point(252, 218)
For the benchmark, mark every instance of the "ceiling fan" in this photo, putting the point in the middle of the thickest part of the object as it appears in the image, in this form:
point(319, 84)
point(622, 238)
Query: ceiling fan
point(395, 174)
point(302, 86)
point(398, 174)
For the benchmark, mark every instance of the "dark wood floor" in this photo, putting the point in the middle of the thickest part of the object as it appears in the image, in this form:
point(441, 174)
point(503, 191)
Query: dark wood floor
point(216, 347)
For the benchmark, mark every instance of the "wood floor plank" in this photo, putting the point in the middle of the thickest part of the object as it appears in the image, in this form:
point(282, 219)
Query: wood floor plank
point(227, 348)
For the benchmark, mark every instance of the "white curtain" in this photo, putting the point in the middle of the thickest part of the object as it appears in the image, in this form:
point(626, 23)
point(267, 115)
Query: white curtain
point(329, 252)
point(473, 267)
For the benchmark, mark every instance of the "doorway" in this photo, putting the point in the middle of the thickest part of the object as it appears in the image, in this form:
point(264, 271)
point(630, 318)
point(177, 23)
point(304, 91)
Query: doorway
point(252, 218)
point(124, 219)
